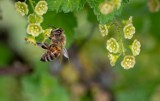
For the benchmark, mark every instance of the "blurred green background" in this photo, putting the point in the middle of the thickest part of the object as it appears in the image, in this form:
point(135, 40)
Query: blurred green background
point(88, 75)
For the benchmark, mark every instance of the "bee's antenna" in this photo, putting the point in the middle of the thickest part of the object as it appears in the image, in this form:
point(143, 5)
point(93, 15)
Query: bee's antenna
point(52, 26)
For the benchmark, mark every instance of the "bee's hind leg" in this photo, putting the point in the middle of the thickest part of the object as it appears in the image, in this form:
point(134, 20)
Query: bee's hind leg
point(43, 45)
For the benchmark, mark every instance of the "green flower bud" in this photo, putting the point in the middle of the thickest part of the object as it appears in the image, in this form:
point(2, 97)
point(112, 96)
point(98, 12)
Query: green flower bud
point(31, 40)
point(113, 59)
point(106, 8)
point(128, 62)
point(34, 29)
point(34, 18)
point(21, 8)
point(117, 3)
point(103, 29)
point(128, 31)
point(130, 20)
point(135, 47)
point(41, 7)
point(46, 33)
point(112, 45)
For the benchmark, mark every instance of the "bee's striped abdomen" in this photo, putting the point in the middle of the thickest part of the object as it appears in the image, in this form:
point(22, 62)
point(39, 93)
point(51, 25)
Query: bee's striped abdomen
point(49, 56)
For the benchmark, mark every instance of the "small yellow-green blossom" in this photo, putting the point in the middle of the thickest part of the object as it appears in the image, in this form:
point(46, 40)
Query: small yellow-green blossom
point(113, 59)
point(112, 45)
point(128, 31)
point(128, 62)
point(47, 32)
point(34, 18)
point(103, 29)
point(21, 8)
point(41, 7)
point(31, 40)
point(34, 29)
point(106, 8)
point(135, 47)
point(117, 3)
point(129, 21)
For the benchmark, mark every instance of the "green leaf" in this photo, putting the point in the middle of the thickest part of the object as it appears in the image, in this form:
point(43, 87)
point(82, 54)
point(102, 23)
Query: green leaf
point(45, 87)
point(125, 1)
point(91, 16)
point(66, 21)
point(103, 19)
point(51, 89)
point(5, 54)
point(155, 29)
point(65, 5)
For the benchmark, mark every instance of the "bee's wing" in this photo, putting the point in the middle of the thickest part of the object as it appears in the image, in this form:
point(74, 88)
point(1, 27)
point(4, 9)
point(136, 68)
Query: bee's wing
point(65, 53)
point(59, 58)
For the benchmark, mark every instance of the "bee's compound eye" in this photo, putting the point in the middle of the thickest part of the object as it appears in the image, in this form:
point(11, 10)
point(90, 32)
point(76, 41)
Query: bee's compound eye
point(57, 34)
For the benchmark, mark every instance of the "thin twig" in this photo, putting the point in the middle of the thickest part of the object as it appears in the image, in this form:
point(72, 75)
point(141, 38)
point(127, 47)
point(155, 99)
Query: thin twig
point(17, 69)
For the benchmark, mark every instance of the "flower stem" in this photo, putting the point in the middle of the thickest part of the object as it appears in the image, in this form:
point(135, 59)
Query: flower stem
point(31, 3)
point(120, 36)
point(123, 50)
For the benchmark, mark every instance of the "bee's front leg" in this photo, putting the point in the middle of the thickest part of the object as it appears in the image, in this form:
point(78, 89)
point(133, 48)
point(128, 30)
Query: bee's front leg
point(43, 45)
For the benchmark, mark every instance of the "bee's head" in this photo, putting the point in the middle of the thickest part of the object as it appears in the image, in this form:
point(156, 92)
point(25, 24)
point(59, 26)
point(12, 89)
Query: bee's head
point(57, 32)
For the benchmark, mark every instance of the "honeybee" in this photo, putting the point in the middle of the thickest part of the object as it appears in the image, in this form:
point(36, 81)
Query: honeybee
point(57, 46)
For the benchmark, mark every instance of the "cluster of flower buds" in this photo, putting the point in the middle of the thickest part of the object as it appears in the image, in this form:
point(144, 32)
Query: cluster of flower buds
point(112, 45)
point(35, 19)
point(135, 47)
point(41, 7)
point(113, 58)
point(116, 47)
point(34, 29)
point(129, 29)
point(108, 7)
point(103, 29)
point(21, 8)
point(128, 62)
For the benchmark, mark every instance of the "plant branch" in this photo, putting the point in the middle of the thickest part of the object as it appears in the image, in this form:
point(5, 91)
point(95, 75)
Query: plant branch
point(16, 69)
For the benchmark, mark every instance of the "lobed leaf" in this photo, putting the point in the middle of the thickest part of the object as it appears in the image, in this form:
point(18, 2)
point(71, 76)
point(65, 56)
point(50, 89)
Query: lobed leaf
point(103, 19)
point(65, 5)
